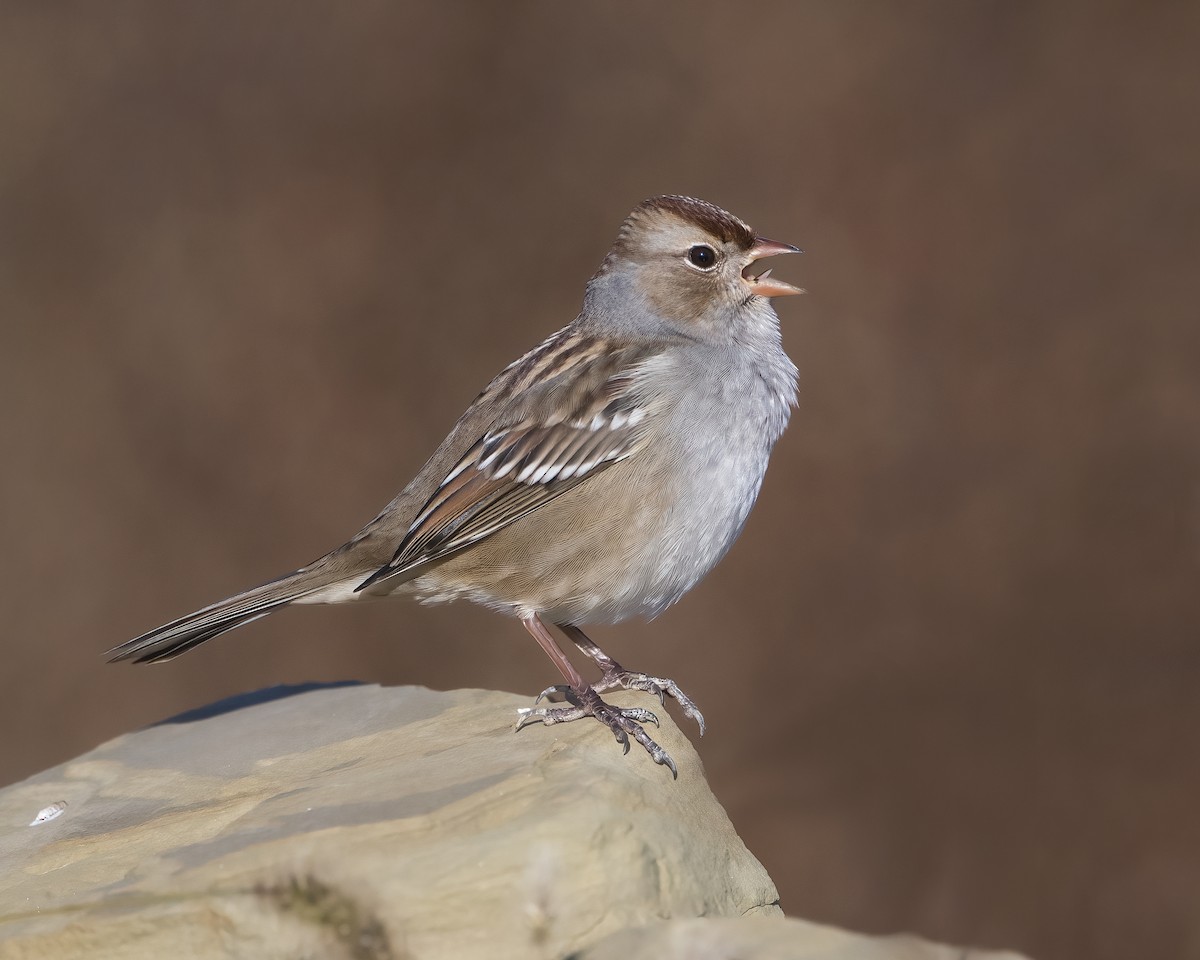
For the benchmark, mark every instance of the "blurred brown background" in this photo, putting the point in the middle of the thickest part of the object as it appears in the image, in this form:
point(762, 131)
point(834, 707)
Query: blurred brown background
point(255, 259)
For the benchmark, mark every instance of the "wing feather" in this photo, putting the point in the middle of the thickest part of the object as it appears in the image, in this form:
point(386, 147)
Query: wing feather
point(517, 468)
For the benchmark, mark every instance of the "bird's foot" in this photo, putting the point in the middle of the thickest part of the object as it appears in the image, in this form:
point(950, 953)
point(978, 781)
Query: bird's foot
point(617, 677)
point(624, 722)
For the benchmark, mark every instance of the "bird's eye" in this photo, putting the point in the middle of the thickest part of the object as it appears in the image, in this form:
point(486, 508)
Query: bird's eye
point(702, 256)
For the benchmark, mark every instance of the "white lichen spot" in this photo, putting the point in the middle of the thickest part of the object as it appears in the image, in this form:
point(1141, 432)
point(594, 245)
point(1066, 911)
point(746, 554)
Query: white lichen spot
point(49, 813)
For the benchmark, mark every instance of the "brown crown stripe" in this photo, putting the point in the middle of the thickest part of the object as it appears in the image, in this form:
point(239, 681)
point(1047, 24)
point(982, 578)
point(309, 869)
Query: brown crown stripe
point(707, 216)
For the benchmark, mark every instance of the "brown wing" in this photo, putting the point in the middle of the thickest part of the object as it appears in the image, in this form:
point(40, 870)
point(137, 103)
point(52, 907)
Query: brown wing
point(516, 468)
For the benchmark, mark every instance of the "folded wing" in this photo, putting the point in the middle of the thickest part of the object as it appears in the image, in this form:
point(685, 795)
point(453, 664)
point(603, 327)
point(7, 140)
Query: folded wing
point(516, 468)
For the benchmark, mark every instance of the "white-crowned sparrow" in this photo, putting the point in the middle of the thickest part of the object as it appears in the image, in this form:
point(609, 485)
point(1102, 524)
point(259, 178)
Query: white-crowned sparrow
point(598, 477)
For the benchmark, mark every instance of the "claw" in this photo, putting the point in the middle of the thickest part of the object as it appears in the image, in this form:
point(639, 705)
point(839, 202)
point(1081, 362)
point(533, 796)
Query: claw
point(555, 689)
point(526, 716)
point(658, 754)
point(641, 715)
point(547, 715)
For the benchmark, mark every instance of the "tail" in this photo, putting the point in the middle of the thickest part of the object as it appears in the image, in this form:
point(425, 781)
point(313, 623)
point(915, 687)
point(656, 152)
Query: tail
point(179, 636)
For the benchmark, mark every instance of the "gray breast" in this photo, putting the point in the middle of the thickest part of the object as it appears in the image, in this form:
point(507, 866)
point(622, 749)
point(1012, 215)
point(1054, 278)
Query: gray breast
point(720, 431)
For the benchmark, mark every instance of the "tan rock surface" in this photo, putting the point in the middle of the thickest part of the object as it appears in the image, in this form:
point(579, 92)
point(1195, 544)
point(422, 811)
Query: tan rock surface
point(416, 821)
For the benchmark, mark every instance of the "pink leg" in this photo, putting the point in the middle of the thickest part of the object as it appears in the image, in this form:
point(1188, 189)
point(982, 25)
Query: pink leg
point(546, 641)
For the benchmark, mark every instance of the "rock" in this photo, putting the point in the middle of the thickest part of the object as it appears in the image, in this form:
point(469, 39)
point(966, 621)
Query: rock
point(768, 939)
point(365, 823)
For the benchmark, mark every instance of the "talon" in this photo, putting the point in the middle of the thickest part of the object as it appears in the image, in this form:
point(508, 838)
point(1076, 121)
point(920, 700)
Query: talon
point(559, 689)
point(640, 715)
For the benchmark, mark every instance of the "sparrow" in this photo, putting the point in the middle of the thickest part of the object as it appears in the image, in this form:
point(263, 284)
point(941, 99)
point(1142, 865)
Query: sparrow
point(598, 477)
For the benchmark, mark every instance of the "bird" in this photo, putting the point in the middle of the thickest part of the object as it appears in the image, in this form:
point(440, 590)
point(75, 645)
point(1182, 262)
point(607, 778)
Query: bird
point(598, 477)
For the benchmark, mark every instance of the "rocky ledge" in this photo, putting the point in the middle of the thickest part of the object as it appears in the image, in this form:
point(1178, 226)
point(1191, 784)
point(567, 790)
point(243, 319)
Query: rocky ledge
point(376, 824)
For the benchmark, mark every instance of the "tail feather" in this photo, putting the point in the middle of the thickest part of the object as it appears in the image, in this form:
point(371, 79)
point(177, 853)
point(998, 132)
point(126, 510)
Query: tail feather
point(170, 640)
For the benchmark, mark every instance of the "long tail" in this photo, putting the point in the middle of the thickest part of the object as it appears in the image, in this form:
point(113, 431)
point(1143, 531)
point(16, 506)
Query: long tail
point(179, 636)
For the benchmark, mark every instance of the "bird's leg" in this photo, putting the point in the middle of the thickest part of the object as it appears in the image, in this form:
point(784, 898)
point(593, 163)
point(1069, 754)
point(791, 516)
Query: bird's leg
point(617, 677)
point(584, 700)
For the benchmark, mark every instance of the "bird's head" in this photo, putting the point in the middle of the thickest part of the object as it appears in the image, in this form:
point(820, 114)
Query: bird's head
point(691, 264)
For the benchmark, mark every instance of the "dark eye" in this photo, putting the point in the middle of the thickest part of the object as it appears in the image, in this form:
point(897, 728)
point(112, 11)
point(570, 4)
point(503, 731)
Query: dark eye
point(702, 256)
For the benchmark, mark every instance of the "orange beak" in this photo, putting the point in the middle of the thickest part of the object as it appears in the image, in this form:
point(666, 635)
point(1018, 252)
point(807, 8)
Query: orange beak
point(765, 285)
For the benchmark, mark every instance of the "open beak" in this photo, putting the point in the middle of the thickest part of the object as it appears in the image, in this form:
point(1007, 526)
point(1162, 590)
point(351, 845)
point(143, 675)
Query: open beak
point(764, 285)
